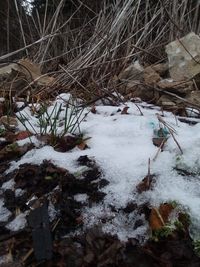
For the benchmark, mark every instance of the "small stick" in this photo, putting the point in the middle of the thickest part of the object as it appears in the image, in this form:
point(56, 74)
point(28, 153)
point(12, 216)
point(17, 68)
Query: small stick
point(159, 149)
point(159, 216)
point(172, 134)
point(28, 254)
point(149, 171)
point(139, 109)
point(171, 130)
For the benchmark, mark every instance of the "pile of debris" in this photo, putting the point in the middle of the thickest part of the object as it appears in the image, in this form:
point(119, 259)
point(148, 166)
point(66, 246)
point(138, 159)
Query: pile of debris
point(22, 77)
point(174, 85)
point(47, 204)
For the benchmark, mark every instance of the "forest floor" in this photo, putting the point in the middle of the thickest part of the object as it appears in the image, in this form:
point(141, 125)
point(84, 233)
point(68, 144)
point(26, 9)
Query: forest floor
point(99, 186)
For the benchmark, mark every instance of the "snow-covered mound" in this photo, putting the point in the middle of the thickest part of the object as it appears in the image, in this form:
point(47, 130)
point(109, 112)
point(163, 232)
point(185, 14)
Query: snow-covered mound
point(122, 145)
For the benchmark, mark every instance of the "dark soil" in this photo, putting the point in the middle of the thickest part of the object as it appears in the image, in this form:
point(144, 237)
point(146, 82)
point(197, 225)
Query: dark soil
point(86, 248)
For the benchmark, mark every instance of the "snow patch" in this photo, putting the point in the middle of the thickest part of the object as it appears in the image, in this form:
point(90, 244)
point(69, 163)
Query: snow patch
point(8, 185)
point(18, 223)
point(81, 197)
point(4, 212)
point(121, 146)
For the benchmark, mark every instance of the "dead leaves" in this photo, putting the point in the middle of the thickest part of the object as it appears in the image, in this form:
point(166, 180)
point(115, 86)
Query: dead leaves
point(93, 109)
point(23, 135)
point(11, 137)
point(159, 216)
point(8, 122)
point(66, 143)
point(125, 111)
point(19, 78)
point(13, 151)
point(82, 145)
point(33, 72)
point(145, 184)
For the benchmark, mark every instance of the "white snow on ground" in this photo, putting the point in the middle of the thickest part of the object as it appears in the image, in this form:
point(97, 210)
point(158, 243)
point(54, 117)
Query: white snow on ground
point(31, 139)
point(122, 145)
point(81, 197)
point(18, 223)
point(19, 192)
point(8, 185)
point(4, 212)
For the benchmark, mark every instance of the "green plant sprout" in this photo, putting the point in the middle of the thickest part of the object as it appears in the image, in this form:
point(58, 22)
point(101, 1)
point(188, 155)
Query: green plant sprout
point(48, 123)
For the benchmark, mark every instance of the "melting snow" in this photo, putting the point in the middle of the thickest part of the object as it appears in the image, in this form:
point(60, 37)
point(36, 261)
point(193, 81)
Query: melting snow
point(81, 197)
point(122, 145)
point(8, 185)
point(18, 223)
point(4, 213)
point(19, 192)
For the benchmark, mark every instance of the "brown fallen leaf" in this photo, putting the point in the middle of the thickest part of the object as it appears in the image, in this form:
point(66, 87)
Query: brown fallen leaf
point(159, 141)
point(10, 136)
point(33, 72)
point(145, 184)
point(159, 217)
point(22, 135)
point(13, 151)
point(156, 221)
point(165, 210)
point(93, 110)
point(125, 110)
point(66, 143)
point(8, 122)
point(82, 145)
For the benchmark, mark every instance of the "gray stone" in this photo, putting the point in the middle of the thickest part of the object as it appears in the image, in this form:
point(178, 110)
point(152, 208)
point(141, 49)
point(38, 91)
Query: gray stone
point(132, 72)
point(184, 57)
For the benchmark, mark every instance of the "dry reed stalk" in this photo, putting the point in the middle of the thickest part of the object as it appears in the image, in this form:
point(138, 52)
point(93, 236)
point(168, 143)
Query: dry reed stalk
point(98, 48)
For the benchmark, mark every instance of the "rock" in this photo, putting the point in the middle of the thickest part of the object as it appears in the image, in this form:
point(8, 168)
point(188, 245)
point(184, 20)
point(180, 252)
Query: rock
point(183, 56)
point(132, 72)
point(33, 72)
point(151, 77)
point(134, 80)
point(134, 90)
point(7, 69)
point(9, 122)
point(166, 101)
point(15, 77)
point(194, 97)
point(176, 87)
point(161, 68)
